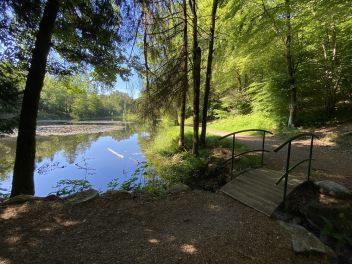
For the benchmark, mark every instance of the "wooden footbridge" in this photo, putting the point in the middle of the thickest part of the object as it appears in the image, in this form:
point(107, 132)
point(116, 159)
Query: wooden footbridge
point(261, 188)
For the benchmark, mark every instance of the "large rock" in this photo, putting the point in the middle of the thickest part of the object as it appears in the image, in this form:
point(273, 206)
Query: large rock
point(337, 215)
point(82, 197)
point(178, 188)
point(333, 189)
point(305, 242)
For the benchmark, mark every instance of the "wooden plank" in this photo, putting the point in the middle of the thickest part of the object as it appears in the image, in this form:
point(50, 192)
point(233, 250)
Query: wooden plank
point(256, 188)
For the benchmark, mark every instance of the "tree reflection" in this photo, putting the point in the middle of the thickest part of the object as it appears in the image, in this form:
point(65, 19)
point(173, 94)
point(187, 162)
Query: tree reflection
point(47, 146)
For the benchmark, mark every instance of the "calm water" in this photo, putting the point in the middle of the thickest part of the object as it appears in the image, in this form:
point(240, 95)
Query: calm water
point(98, 158)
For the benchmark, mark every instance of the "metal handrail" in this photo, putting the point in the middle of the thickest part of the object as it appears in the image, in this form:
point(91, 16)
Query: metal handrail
point(233, 156)
point(288, 169)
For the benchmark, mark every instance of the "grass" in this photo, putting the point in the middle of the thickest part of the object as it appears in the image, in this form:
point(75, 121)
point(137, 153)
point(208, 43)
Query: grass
point(240, 122)
point(174, 165)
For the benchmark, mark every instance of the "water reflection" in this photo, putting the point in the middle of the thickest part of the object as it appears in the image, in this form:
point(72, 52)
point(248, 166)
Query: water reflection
point(97, 158)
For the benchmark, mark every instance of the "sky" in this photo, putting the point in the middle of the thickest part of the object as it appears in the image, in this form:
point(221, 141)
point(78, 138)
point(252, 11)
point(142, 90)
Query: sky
point(131, 87)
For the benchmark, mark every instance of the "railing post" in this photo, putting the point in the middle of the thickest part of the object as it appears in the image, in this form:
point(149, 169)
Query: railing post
point(287, 171)
point(233, 153)
point(310, 157)
point(262, 161)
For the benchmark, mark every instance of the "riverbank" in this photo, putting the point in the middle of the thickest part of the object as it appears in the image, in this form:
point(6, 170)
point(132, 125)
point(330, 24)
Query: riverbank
point(65, 128)
point(191, 227)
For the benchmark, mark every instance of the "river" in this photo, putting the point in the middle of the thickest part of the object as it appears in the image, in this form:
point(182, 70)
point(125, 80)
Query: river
point(98, 158)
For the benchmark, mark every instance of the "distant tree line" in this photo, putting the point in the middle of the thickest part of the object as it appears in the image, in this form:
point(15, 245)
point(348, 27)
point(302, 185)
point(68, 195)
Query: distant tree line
point(78, 98)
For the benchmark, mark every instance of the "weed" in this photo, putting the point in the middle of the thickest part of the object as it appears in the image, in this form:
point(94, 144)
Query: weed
point(67, 187)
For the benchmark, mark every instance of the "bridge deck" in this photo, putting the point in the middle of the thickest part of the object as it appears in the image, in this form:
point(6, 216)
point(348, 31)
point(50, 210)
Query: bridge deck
point(256, 188)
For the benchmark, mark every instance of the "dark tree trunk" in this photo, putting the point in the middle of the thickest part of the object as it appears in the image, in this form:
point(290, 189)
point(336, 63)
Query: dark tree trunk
point(197, 53)
point(290, 69)
point(209, 73)
point(23, 182)
point(151, 111)
point(181, 142)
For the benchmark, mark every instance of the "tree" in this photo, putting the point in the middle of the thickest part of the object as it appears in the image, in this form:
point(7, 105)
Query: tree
point(196, 56)
point(23, 182)
point(185, 76)
point(290, 67)
point(209, 72)
point(85, 32)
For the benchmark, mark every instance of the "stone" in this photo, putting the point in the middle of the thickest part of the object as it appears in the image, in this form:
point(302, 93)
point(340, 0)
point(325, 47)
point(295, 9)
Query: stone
point(333, 189)
point(305, 242)
point(82, 197)
point(178, 188)
point(319, 214)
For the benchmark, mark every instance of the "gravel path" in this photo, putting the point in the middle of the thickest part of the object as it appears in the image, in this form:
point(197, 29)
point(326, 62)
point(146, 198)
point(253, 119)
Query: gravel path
point(194, 227)
point(331, 161)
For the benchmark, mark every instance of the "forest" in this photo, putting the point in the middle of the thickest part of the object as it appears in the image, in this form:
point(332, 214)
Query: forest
point(285, 63)
point(167, 153)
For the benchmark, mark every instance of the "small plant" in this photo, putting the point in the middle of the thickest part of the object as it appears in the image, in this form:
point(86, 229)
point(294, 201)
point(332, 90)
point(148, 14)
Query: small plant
point(152, 183)
point(342, 238)
point(130, 185)
point(114, 184)
point(67, 187)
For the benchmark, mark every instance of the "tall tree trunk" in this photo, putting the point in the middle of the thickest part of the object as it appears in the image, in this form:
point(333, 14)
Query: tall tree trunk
point(23, 182)
point(197, 53)
point(181, 142)
point(209, 73)
point(290, 68)
point(332, 75)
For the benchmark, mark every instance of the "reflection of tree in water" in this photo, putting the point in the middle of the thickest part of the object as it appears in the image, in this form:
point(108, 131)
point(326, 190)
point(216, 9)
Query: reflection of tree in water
point(7, 157)
point(48, 146)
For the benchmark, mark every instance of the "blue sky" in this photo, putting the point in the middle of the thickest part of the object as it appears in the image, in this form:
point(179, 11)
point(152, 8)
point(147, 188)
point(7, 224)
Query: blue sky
point(131, 87)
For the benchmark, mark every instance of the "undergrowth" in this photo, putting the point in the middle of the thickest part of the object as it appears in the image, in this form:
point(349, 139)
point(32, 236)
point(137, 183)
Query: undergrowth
point(240, 122)
point(173, 164)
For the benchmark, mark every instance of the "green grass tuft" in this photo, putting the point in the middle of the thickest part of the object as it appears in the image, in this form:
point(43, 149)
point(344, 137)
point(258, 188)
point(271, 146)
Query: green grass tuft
point(174, 165)
point(240, 122)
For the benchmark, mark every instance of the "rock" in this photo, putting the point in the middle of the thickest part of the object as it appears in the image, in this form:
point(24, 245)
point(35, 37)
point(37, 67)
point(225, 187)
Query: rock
point(333, 189)
point(321, 214)
point(178, 188)
point(82, 197)
point(22, 198)
point(305, 242)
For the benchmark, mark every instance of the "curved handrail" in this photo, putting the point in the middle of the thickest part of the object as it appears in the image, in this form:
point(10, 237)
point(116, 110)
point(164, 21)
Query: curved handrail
point(233, 156)
point(288, 169)
point(246, 152)
point(245, 130)
point(294, 138)
point(291, 169)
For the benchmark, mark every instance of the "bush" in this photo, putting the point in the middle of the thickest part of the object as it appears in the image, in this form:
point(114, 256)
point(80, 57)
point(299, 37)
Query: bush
point(174, 165)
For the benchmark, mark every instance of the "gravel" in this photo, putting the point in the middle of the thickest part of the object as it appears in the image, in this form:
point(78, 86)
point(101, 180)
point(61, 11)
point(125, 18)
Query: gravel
point(192, 227)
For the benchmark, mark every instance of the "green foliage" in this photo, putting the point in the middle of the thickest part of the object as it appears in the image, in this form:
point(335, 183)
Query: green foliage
point(87, 36)
point(11, 81)
point(172, 164)
point(78, 98)
point(341, 232)
point(152, 183)
point(131, 185)
point(240, 122)
point(250, 68)
point(67, 187)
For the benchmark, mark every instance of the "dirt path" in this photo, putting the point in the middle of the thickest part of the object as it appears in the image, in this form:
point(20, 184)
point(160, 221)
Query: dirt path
point(195, 227)
point(330, 160)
